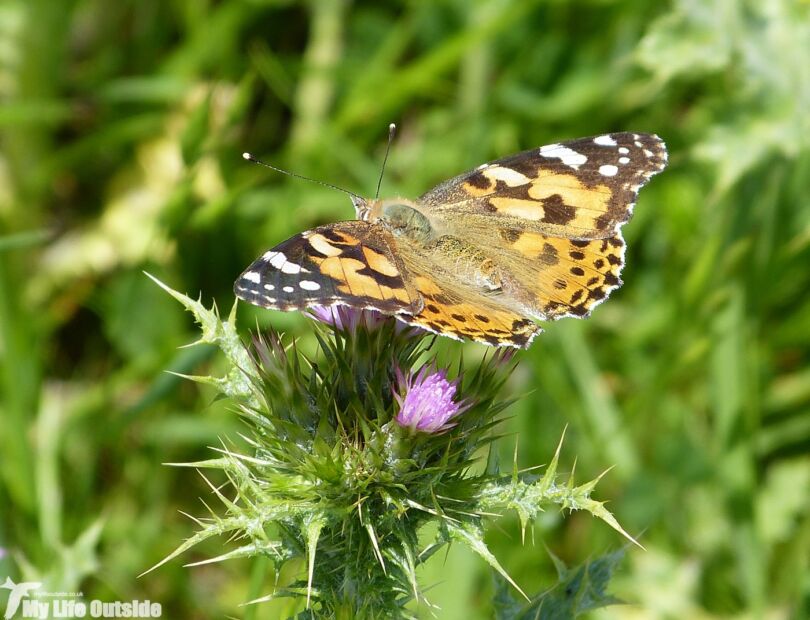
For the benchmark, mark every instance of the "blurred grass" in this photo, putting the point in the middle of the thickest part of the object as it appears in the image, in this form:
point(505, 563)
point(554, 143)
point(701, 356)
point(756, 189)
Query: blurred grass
point(121, 129)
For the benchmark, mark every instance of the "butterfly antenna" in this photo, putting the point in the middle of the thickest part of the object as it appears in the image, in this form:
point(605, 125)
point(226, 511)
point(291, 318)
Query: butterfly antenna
point(392, 129)
point(256, 160)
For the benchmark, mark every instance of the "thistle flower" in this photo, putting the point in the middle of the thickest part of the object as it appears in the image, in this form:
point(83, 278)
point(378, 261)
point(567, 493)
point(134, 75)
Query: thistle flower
point(346, 318)
point(428, 404)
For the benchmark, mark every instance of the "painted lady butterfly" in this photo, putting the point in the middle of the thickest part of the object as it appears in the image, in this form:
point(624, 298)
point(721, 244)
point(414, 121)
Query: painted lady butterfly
point(536, 235)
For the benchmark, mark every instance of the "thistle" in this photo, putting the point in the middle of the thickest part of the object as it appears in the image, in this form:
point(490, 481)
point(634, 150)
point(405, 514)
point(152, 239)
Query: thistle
point(352, 451)
point(428, 404)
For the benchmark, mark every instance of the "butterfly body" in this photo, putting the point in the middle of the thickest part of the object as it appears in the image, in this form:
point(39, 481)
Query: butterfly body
point(532, 236)
point(402, 218)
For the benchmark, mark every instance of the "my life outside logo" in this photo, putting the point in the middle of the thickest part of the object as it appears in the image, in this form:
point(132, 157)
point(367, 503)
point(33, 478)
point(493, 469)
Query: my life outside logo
point(25, 600)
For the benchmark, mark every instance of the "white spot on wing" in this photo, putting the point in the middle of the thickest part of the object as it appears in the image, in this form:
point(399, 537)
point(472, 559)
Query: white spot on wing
point(293, 268)
point(512, 178)
point(280, 262)
point(624, 150)
point(287, 289)
point(323, 246)
point(568, 156)
point(269, 287)
point(252, 276)
point(605, 140)
point(608, 170)
point(276, 259)
point(309, 285)
point(624, 160)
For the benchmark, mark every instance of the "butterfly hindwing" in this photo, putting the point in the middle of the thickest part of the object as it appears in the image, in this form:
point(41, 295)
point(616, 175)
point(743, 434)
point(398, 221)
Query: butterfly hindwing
point(560, 277)
point(349, 263)
point(462, 313)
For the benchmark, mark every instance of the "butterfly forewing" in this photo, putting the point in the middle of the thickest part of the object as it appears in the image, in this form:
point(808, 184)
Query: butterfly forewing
point(581, 189)
point(349, 263)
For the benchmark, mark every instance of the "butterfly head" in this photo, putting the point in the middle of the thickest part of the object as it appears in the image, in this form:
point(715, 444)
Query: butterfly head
point(363, 207)
point(373, 210)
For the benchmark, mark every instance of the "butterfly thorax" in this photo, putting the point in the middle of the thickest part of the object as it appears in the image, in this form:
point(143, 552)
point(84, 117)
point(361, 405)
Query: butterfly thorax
point(403, 218)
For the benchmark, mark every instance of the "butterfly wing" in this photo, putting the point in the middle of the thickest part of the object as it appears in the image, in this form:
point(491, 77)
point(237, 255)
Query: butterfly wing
point(462, 312)
point(553, 277)
point(350, 263)
point(581, 189)
point(539, 277)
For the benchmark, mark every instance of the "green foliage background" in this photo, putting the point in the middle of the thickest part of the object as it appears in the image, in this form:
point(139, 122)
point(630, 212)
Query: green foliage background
point(121, 129)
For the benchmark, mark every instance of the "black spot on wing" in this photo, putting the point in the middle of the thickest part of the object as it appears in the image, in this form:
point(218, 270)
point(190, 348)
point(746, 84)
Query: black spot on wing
point(381, 279)
point(612, 280)
point(556, 211)
point(479, 181)
point(597, 293)
point(549, 255)
point(509, 235)
point(580, 310)
point(606, 219)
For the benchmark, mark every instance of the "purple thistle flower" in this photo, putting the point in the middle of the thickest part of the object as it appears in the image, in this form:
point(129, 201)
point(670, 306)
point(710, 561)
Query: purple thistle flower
point(411, 331)
point(428, 404)
point(346, 318)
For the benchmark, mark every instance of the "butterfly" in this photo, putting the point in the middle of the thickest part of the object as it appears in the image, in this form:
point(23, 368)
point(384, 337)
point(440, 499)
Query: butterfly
point(536, 235)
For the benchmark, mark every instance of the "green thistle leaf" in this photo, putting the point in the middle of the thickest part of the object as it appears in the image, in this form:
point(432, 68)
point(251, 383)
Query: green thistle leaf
point(579, 590)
